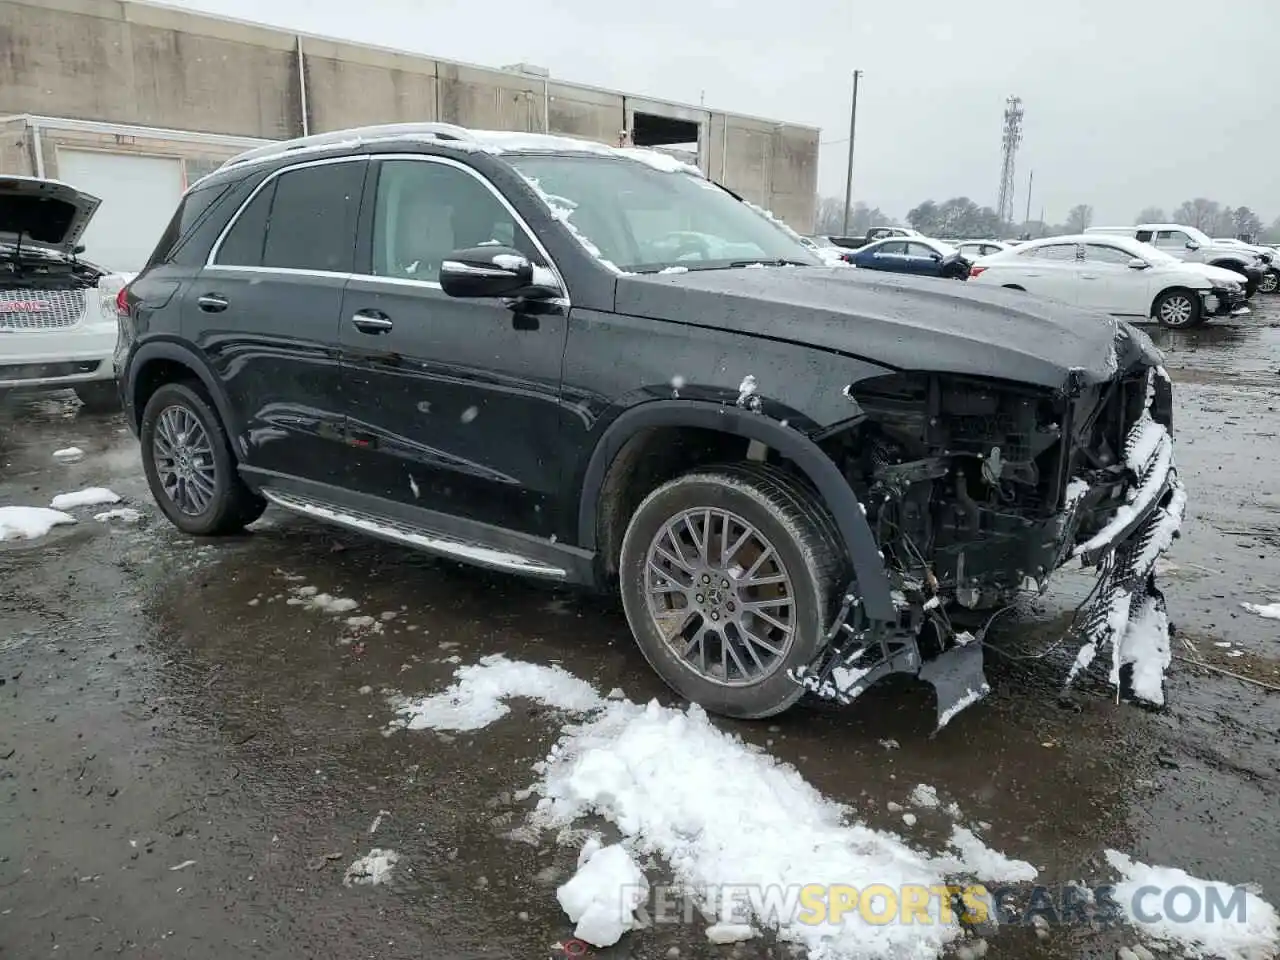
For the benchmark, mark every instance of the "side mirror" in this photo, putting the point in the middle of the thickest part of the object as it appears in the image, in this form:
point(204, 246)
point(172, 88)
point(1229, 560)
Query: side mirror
point(490, 272)
point(1192, 245)
point(77, 249)
point(1137, 263)
point(935, 257)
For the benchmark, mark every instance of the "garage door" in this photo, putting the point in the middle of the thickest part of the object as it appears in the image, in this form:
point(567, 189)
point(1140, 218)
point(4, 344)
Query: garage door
point(139, 195)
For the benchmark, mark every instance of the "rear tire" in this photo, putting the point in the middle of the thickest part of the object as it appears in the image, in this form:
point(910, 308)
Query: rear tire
point(738, 623)
point(100, 396)
point(189, 465)
point(1177, 309)
point(1270, 281)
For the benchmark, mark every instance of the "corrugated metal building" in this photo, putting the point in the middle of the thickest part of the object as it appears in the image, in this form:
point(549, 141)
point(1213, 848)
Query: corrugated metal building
point(132, 101)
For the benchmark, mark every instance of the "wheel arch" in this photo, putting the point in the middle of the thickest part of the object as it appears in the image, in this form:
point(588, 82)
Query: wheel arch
point(839, 498)
point(145, 374)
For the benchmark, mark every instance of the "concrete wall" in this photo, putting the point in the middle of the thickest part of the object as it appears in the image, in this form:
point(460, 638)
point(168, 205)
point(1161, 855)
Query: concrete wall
point(132, 63)
point(15, 150)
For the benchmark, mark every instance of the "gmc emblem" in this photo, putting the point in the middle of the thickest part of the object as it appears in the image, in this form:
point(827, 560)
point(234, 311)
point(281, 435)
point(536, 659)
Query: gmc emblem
point(24, 306)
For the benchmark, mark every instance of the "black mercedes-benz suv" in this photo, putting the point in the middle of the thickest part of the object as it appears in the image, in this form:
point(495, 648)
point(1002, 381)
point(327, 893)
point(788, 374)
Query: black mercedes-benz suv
point(594, 366)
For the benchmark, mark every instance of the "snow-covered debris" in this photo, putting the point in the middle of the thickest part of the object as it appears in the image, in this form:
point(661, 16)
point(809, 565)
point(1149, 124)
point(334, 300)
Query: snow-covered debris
point(923, 796)
point(68, 455)
point(747, 393)
point(723, 933)
point(1146, 645)
point(674, 269)
point(123, 514)
point(477, 698)
point(1270, 611)
point(372, 869)
point(88, 497)
point(1239, 926)
point(30, 523)
point(602, 896)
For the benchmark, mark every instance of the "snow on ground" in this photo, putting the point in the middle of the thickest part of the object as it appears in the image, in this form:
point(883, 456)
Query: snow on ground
point(30, 523)
point(976, 858)
point(924, 796)
point(123, 514)
point(476, 699)
point(313, 599)
point(88, 497)
point(602, 896)
point(68, 455)
point(372, 869)
point(1255, 935)
point(1269, 610)
point(724, 814)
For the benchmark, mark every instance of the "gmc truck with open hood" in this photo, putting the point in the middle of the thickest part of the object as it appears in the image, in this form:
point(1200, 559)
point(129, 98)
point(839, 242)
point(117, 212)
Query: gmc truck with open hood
point(592, 365)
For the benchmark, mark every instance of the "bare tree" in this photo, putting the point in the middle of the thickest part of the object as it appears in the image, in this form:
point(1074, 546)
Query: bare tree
point(1200, 213)
point(1079, 218)
point(1151, 215)
point(830, 218)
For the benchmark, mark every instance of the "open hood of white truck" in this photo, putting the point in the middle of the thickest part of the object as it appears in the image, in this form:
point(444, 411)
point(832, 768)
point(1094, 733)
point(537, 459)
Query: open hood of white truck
point(45, 213)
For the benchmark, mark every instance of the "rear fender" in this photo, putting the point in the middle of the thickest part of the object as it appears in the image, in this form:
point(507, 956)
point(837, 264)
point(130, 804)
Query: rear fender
point(859, 542)
point(176, 352)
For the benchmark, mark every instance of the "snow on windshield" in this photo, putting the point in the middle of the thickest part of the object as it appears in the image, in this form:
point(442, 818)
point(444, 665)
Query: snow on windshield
point(644, 217)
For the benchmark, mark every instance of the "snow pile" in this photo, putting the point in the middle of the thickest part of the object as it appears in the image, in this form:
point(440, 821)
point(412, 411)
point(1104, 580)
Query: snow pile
point(475, 700)
point(123, 514)
point(1252, 933)
point(88, 497)
point(602, 897)
point(68, 455)
point(372, 869)
point(976, 858)
point(1270, 611)
point(30, 523)
point(723, 814)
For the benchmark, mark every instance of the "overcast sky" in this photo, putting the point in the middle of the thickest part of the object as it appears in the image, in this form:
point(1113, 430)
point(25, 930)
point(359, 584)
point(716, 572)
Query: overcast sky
point(1129, 103)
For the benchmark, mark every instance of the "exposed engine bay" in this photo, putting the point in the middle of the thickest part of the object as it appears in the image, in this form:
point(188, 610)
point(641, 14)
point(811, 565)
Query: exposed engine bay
point(977, 491)
point(25, 267)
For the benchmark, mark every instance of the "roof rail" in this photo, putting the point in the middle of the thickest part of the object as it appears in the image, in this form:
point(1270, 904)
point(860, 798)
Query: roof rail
point(353, 137)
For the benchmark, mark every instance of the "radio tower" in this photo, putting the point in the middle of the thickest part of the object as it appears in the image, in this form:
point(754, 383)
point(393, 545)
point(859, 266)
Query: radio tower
point(1011, 137)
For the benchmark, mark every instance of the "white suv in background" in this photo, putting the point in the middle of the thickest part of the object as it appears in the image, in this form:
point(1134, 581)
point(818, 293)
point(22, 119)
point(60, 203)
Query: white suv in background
point(1116, 275)
point(58, 320)
point(1192, 245)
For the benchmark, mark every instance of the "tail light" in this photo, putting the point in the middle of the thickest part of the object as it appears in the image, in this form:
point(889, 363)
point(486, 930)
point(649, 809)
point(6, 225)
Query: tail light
point(973, 271)
point(122, 302)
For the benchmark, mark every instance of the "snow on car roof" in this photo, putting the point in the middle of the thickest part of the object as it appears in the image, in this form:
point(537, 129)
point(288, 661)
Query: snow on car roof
point(461, 138)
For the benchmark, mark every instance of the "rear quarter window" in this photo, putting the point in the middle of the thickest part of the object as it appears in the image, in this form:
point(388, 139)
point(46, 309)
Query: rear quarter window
point(192, 210)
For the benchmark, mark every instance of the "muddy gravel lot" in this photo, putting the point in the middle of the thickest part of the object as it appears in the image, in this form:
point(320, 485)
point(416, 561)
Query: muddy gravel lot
point(196, 750)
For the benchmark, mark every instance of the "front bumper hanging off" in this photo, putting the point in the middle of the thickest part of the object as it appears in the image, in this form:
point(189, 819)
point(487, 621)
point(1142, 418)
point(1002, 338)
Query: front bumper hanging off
point(1125, 616)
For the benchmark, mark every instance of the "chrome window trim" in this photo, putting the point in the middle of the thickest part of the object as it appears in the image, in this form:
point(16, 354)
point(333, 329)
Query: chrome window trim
point(217, 246)
point(210, 263)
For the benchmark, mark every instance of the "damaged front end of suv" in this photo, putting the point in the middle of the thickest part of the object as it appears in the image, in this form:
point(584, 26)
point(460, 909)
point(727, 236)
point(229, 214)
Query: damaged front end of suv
point(978, 489)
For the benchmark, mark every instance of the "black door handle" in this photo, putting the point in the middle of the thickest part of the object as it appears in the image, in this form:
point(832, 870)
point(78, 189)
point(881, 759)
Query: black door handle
point(213, 303)
point(371, 321)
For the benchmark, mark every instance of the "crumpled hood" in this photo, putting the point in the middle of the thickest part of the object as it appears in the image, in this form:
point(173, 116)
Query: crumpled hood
point(904, 322)
point(1217, 275)
point(47, 213)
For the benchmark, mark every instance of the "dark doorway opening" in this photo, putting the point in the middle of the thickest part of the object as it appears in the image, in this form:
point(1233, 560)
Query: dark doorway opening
point(650, 130)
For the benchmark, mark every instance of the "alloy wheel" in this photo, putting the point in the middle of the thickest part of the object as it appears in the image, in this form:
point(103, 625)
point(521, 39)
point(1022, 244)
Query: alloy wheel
point(720, 596)
point(183, 455)
point(1177, 310)
point(1268, 283)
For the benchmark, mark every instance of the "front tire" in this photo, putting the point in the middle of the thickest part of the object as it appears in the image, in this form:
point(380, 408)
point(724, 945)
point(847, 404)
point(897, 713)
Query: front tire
point(189, 466)
point(1177, 309)
point(727, 578)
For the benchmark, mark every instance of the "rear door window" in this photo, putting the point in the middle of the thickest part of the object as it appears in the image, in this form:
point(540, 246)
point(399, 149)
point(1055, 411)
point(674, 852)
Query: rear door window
point(304, 219)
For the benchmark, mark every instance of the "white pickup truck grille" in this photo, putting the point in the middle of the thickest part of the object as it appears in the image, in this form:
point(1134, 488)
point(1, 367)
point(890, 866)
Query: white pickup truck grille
point(40, 309)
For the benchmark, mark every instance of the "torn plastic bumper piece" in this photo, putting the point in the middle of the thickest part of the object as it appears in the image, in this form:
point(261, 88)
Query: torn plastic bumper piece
point(858, 653)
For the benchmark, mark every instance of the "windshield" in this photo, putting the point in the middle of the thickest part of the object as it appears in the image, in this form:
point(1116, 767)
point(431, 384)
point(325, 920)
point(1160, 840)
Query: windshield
point(1196, 235)
point(644, 220)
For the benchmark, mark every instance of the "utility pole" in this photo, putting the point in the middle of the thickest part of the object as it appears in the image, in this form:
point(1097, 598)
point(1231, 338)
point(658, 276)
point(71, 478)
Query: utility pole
point(853, 126)
point(1031, 176)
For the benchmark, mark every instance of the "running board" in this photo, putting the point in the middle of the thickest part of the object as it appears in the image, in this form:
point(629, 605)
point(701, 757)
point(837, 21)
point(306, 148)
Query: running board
point(413, 535)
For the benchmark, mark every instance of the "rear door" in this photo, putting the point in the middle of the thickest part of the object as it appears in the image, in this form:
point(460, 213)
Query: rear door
point(890, 255)
point(1052, 271)
point(265, 312)
point(454, 405)
point(1109, 284)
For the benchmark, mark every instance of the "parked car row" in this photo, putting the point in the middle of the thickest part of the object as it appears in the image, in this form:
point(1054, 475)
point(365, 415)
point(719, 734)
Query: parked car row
point(58, 313)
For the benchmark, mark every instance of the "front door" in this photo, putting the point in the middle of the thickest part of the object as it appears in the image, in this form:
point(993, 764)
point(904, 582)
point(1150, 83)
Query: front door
point(891, 255)
point(454, 405)
point(265, 314)
point(1054, 272)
